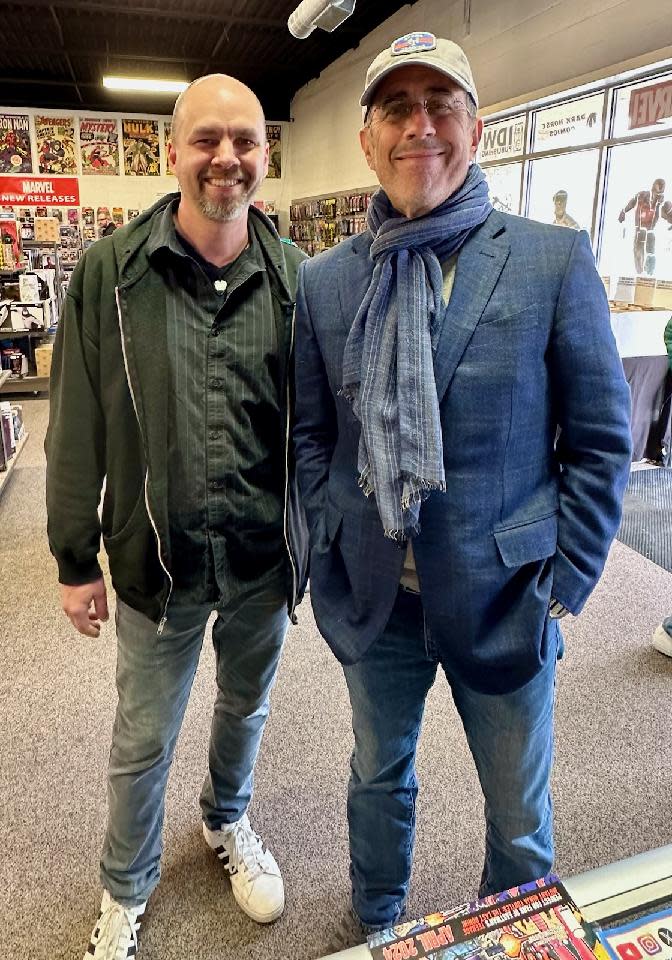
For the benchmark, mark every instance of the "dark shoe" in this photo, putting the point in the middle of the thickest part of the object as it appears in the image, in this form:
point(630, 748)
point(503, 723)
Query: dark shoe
point(349, 932)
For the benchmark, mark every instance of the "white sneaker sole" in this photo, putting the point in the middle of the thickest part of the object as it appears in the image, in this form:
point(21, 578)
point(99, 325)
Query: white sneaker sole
point(662, 641)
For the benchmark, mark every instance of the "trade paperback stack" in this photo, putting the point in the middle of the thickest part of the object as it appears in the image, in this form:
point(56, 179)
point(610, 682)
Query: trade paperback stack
point(535, 921)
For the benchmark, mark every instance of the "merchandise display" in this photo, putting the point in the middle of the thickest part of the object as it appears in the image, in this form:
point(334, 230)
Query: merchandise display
point(318, 223)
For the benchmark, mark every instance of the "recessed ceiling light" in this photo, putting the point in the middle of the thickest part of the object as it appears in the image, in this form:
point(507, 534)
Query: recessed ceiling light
point(144, 85)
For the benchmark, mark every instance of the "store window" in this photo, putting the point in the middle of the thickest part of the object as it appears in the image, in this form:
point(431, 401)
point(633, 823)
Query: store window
point(562, 189)
point(502, 140)
point(643, 107)
point(504, 184)
point(571, 124)
point(637, 231)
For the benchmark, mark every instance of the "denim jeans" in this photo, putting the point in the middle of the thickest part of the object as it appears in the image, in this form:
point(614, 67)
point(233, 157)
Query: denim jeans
point(154, 678)
point(511, 740)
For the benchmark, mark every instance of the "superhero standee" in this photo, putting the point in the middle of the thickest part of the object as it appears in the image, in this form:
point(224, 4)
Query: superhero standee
point(649, 206)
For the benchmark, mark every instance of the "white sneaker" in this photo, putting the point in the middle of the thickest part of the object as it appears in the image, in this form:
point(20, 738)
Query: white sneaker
point(255, 876)
point(662, 639)
point(115, 936)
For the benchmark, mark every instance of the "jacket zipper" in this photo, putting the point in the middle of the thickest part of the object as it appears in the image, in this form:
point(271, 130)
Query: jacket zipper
point(162, 621)
point(292, 615)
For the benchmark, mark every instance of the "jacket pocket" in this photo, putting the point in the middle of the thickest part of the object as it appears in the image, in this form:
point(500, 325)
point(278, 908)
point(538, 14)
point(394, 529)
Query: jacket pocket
point(138, 514)
point(527, 542)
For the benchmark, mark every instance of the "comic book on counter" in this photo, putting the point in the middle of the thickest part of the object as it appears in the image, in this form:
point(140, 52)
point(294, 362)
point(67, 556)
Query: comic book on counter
point(535, 921)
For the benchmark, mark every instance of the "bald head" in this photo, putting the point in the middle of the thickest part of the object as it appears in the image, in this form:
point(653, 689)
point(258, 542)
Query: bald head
point(207, 91)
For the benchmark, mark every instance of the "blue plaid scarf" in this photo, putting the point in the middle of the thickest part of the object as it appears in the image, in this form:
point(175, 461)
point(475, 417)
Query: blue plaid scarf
point(388, 363)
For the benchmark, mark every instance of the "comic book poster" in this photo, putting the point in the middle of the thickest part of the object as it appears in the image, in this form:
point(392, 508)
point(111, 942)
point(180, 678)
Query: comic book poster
point(141, 148)
point(118, 216)
point(15, 143)
point(99, 146)
point(534, 921)
point(55, 138)
point(274, 137)
point(167, 126)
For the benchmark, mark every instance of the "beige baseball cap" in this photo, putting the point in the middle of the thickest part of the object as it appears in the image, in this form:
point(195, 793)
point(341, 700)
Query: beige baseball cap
point(426, 50)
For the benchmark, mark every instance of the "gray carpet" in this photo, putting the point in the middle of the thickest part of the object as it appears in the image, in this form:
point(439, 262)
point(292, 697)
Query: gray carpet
point(647, 515)
point(612, 774)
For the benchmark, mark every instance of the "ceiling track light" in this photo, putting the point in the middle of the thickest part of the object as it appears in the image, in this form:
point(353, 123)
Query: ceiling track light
point(144, 85)
point(325, 14)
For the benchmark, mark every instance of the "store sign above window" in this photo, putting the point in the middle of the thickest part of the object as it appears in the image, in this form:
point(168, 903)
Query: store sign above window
point(650, 105)
point(45, 191)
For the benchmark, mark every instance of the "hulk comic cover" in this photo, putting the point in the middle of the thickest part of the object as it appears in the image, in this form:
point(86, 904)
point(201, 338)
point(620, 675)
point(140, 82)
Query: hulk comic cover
point(15, 143)
point(534, 921)
point(141, 148)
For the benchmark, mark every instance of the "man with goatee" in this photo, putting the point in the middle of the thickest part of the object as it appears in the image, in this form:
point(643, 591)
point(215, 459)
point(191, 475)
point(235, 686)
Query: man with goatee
point(171, 384)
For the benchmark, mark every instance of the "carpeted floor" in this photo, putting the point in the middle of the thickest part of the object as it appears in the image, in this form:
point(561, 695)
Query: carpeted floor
point(57, 700)
point(647, 516)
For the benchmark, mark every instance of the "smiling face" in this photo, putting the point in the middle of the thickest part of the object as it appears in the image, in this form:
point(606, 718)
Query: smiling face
point(218, 148)
point(420, 161)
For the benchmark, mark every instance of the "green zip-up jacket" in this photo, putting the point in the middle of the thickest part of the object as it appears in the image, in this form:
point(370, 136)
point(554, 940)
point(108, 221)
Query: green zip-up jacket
point(108, 418)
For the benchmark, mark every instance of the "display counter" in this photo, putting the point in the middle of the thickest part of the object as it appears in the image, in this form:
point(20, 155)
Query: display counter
point(641, 346)
point(616, 890)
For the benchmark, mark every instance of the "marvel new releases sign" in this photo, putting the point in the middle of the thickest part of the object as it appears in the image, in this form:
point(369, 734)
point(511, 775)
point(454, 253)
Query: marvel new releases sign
point(42, 191)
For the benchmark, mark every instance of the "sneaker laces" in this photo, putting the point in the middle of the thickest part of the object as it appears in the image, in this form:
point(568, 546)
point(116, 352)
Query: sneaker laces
point(248, 849)
point(111, 930)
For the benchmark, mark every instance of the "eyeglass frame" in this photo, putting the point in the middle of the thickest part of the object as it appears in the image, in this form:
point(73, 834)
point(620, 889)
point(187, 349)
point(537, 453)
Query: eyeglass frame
point(469, 108)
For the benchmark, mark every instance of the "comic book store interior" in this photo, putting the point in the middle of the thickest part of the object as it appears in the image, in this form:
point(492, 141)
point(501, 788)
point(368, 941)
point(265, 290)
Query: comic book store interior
point(98, 535)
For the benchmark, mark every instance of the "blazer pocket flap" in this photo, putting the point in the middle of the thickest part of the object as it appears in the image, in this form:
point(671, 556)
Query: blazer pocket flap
point(527, 542)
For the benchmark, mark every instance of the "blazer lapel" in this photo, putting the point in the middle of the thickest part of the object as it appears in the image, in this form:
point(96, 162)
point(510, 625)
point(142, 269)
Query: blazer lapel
point(354, 278)
point(479, 266)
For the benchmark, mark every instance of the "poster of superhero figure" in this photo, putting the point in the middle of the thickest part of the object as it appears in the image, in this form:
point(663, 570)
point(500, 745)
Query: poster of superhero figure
point(167, 126)
point(274, 137)
point(99, 146)
point(55, 138)
point(15, 143)
point(141, 148)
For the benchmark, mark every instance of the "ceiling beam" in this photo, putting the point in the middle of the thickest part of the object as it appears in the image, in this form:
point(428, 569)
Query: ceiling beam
point(156, 13)
point(64, 52)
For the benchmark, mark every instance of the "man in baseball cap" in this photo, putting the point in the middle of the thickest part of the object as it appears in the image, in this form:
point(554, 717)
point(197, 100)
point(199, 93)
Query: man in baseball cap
point(438, 357)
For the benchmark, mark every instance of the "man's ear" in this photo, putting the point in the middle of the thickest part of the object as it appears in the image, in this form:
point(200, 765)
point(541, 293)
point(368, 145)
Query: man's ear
point(476, 135)
point(365, 143)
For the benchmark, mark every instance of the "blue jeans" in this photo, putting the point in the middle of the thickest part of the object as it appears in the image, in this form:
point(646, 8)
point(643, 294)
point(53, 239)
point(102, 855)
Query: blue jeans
point(511, 740)
point(154, 678)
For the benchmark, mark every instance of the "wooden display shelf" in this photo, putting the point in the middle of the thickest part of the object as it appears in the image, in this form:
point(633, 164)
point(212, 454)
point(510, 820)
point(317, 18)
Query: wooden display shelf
point(6, 474)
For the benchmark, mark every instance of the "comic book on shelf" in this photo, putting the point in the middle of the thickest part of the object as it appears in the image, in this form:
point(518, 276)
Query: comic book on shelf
point(534, 921)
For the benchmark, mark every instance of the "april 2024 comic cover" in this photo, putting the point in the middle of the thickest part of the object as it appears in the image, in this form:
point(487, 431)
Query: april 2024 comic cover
point(535, 921)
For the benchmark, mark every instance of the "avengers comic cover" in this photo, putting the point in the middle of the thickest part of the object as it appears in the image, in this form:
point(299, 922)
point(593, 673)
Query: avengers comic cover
point(15, 143)
point(141, 148)
point(534, 921)
point(55, 138)
point(99, 146)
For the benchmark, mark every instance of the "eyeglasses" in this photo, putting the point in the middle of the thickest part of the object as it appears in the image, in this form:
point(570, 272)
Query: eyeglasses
point(437, 107)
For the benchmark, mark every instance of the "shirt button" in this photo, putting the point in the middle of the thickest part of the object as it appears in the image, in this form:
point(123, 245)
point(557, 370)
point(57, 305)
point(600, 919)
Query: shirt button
point(216, 484)
point(215, 383)
point(214, 435)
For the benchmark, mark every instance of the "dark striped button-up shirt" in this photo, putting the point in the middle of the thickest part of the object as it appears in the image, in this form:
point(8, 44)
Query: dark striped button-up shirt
point(226, 431)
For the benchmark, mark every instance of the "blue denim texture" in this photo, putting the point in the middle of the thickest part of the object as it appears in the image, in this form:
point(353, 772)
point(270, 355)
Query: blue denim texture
point(154, 678)
point(511, 741)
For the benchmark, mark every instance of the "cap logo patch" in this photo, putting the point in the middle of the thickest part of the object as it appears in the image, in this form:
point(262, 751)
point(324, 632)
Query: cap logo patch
point(413, 43)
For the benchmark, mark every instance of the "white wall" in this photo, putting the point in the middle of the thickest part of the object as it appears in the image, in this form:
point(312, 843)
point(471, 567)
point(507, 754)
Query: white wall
point(518, 49)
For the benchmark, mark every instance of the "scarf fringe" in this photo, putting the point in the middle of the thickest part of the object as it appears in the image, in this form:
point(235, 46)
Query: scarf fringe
point(422, 491)
point(402, 536)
